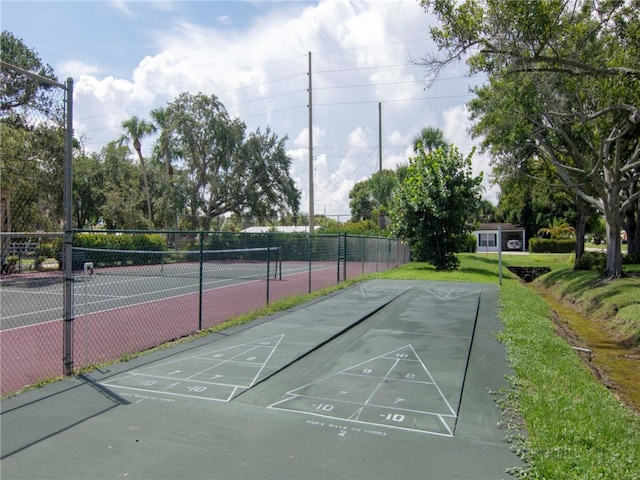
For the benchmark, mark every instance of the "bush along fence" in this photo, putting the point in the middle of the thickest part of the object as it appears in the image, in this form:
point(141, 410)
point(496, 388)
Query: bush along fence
point(132, 291)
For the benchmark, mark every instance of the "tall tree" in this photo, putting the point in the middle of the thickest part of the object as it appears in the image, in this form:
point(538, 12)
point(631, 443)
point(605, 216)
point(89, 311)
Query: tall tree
point(19, 90)
point(432, 207)
point(88, 189)
point(162, 150)
point(124, 203)
point(224, 171)
point(580, 61)
point(262, 166)
point(360, 205)
point(31, 133)
point(135, 130)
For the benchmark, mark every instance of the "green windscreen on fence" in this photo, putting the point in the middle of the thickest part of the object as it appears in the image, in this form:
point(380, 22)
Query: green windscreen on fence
point(249, 263)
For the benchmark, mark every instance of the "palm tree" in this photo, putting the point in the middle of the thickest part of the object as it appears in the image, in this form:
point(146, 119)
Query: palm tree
point(135, 129)
point(429, 139)
point(558, 228)
point(161, 119)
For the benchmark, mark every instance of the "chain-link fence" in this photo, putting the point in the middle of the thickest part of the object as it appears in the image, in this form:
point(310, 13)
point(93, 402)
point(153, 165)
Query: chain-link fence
point(136, 290)
point(35, 159)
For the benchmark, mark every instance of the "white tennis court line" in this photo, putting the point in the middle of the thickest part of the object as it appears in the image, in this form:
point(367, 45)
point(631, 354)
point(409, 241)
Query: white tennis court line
point(57, 293)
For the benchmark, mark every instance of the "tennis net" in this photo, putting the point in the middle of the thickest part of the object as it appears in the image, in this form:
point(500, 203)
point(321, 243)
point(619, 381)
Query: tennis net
point(243, 263)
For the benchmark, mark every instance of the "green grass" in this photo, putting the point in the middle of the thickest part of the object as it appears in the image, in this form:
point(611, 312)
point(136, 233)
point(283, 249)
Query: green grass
point(616, 302)
point(575, 427)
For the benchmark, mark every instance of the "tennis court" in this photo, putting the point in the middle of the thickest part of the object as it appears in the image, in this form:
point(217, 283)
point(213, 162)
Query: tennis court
point(386, 379)
point(27, 299)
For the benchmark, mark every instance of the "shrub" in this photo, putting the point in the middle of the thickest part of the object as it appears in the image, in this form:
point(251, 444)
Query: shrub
point(471, 244)
point(545, 245)
point(591, 261)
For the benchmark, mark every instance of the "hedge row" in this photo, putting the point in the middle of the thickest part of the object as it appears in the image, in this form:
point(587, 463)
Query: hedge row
point(546, 245)
point(121, 241)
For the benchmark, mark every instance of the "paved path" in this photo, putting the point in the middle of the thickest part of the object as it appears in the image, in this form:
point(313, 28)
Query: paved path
point(386, 379)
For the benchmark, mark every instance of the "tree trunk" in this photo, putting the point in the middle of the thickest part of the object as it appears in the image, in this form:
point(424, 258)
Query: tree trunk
point(632, 227)
point(145, 181)
point(582, 210)
point(613, 221)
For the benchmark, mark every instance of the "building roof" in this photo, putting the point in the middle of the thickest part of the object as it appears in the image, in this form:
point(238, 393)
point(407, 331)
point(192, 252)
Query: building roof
point(287, 229)
point(496, 226)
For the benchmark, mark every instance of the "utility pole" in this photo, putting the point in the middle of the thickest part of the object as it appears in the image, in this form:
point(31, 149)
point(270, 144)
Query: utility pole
point(311, 214)
point(380, 137)
point(380, 223)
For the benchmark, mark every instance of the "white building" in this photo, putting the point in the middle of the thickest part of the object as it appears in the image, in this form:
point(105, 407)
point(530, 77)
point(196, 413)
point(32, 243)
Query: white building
point(491, 236)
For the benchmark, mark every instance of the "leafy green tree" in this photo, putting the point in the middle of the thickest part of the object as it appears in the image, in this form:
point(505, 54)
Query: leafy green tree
point(124, 202)
point(263, 166)
point(135, 130)
point(162, 151)
point(88, 189)
point(19, 90)
point(572, 70)
point(223, 172)
point(431, 208)
point(360, 204)
point(486, 212)
point(31, 136)
point(373, 195)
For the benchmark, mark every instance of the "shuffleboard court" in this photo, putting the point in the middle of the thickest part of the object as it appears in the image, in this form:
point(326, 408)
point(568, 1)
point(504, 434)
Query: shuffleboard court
point(385, 379)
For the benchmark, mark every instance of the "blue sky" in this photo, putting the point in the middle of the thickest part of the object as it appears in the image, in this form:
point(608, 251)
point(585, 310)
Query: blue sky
point(128, 57)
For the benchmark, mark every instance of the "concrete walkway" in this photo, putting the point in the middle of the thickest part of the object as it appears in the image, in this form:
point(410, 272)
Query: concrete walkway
point(386, 379)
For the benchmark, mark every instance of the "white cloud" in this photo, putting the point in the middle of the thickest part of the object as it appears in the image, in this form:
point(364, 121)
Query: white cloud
point(361, 53)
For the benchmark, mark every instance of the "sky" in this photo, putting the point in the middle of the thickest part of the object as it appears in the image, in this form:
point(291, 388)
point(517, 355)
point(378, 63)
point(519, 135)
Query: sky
point(127, 58)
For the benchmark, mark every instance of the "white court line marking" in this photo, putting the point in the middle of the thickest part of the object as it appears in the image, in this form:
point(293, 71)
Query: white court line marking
point(361, 405)
point(355, 416)
point(451, 294)
point(27, 291)
point(368, 291)
point(249, 347)
point(184, 395)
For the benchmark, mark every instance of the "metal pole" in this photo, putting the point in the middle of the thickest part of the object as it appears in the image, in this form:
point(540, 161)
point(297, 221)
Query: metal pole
point(380, 137)
point(379, 162)
point(500, 254)
point(309, 252)
point(268, 259)
point(200, 281)
point(311, 213)
point(68, 233)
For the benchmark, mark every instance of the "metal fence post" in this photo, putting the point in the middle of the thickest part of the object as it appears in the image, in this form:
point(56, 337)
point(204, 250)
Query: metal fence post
point(68, 233)
point(201, 234)
point(268, 262)
point(309, 250)
point(344, 258)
